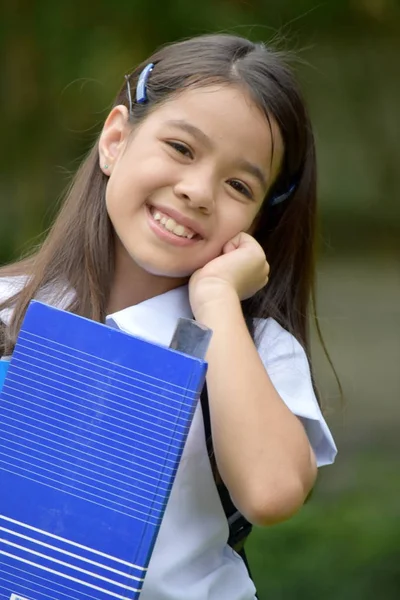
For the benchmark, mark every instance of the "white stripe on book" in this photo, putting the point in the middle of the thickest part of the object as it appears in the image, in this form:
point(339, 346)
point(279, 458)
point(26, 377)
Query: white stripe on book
point(51, 387)
point(49, 424)
point(95, 456)
point(131, 482)
point(42, 568)
point(18, 578)
point(158, 520)
point(64, 564)
point(71, 543)
point(23, 421)
point(104, 360)
point(103, 372)
point(113, 464)
point(151, 496)
point(77, 556)
point(39, 474)
point(132, 399)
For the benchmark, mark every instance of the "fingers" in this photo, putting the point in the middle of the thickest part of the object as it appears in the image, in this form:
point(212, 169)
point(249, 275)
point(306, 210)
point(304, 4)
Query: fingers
point(244, 241)
point(241, 240)
point(251, 266)
point(232, 244)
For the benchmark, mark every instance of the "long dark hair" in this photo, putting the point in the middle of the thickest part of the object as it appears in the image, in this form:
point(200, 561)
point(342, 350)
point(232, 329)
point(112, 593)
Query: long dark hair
point(79, 249)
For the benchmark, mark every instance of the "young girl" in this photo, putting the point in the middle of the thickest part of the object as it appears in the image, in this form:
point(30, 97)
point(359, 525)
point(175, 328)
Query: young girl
point(199, 199)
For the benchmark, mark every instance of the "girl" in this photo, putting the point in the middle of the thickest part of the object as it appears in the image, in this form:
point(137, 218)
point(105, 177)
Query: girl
point(199, 199)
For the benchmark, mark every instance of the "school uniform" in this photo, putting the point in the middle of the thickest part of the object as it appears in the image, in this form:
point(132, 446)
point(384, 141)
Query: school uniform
point(191, 559)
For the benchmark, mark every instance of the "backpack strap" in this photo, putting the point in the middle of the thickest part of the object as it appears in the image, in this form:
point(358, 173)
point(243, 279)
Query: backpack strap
point(239, 527)
point(4, 364)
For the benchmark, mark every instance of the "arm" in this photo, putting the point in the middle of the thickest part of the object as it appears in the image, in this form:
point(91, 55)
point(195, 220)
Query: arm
point(261, 448)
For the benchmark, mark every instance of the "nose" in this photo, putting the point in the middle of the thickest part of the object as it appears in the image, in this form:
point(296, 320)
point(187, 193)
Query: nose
point(197, 190)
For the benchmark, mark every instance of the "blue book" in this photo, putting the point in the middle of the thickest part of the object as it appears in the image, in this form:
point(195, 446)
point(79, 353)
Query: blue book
point(93, 422)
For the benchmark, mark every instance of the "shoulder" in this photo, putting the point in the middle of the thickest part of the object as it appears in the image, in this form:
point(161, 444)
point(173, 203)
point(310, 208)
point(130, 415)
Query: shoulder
point(276, 343)
point(287, 365)
point(288, 368)
point(59, 295)
point(283, 356)
point(9, 286)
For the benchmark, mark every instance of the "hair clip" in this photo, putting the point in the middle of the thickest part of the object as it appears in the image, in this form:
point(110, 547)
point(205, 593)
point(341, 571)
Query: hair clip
point(128, 91)
point(282, 197)
point(141, 89)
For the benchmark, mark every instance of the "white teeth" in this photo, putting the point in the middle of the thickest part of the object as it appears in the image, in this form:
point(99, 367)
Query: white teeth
point(179, 230)
point(172, 225)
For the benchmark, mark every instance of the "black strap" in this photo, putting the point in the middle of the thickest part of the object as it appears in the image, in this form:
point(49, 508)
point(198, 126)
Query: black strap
point(239, 527)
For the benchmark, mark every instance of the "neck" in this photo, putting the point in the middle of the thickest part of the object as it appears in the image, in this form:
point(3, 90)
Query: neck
point(132, 284)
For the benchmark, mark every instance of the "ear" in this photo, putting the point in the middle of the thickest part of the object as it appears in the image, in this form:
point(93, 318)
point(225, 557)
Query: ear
point(113, 138)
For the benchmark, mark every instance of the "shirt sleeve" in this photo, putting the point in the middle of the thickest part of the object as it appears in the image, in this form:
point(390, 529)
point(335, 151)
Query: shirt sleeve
point(287, 366)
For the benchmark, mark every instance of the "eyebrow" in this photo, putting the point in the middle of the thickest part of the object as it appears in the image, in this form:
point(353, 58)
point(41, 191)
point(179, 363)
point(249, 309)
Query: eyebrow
point(254, 170)
point(243, 164)
point(193, 130)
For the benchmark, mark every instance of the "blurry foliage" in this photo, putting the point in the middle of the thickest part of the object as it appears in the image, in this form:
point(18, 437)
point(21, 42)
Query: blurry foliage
point(345, 547)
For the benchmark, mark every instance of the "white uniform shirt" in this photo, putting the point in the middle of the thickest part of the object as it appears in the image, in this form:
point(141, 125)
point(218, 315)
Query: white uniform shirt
point(191, 559)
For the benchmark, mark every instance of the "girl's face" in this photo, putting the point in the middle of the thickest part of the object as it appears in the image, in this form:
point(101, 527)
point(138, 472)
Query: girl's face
point(189, 178)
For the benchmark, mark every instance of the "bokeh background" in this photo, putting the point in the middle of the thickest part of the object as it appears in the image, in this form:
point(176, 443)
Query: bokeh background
point(61, 64)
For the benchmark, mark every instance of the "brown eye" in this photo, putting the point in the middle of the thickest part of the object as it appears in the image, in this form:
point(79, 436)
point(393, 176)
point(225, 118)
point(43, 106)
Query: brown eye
point(241, 188)
point(181, 148)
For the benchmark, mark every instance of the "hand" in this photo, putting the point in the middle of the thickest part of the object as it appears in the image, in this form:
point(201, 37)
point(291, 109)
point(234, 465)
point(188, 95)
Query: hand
point(241, 269)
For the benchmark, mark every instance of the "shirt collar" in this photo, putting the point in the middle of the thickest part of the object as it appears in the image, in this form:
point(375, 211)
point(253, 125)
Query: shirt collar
point(154, 319)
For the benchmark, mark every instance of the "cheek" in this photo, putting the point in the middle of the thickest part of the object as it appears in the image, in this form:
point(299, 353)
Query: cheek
point(114, 206)
point(129, 187)
point(252, 227)
point(254, 220)
point(236, 219)
point(116, 188)
point(123, 195)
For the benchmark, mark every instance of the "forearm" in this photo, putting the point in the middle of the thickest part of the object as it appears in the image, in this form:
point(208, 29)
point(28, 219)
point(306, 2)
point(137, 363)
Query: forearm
point(261, 448)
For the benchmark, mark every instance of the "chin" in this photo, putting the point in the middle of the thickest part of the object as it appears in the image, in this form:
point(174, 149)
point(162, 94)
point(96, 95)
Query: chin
point(166, 270)
point(170, 274)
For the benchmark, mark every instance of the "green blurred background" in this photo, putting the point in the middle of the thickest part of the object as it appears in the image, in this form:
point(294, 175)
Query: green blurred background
point(62, 63)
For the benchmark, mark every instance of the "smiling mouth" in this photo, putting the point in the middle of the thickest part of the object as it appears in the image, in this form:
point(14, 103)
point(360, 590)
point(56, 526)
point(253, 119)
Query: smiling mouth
point(169, 224)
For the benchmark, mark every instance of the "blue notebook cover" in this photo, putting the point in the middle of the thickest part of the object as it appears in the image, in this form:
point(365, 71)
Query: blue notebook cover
point(93, 422)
